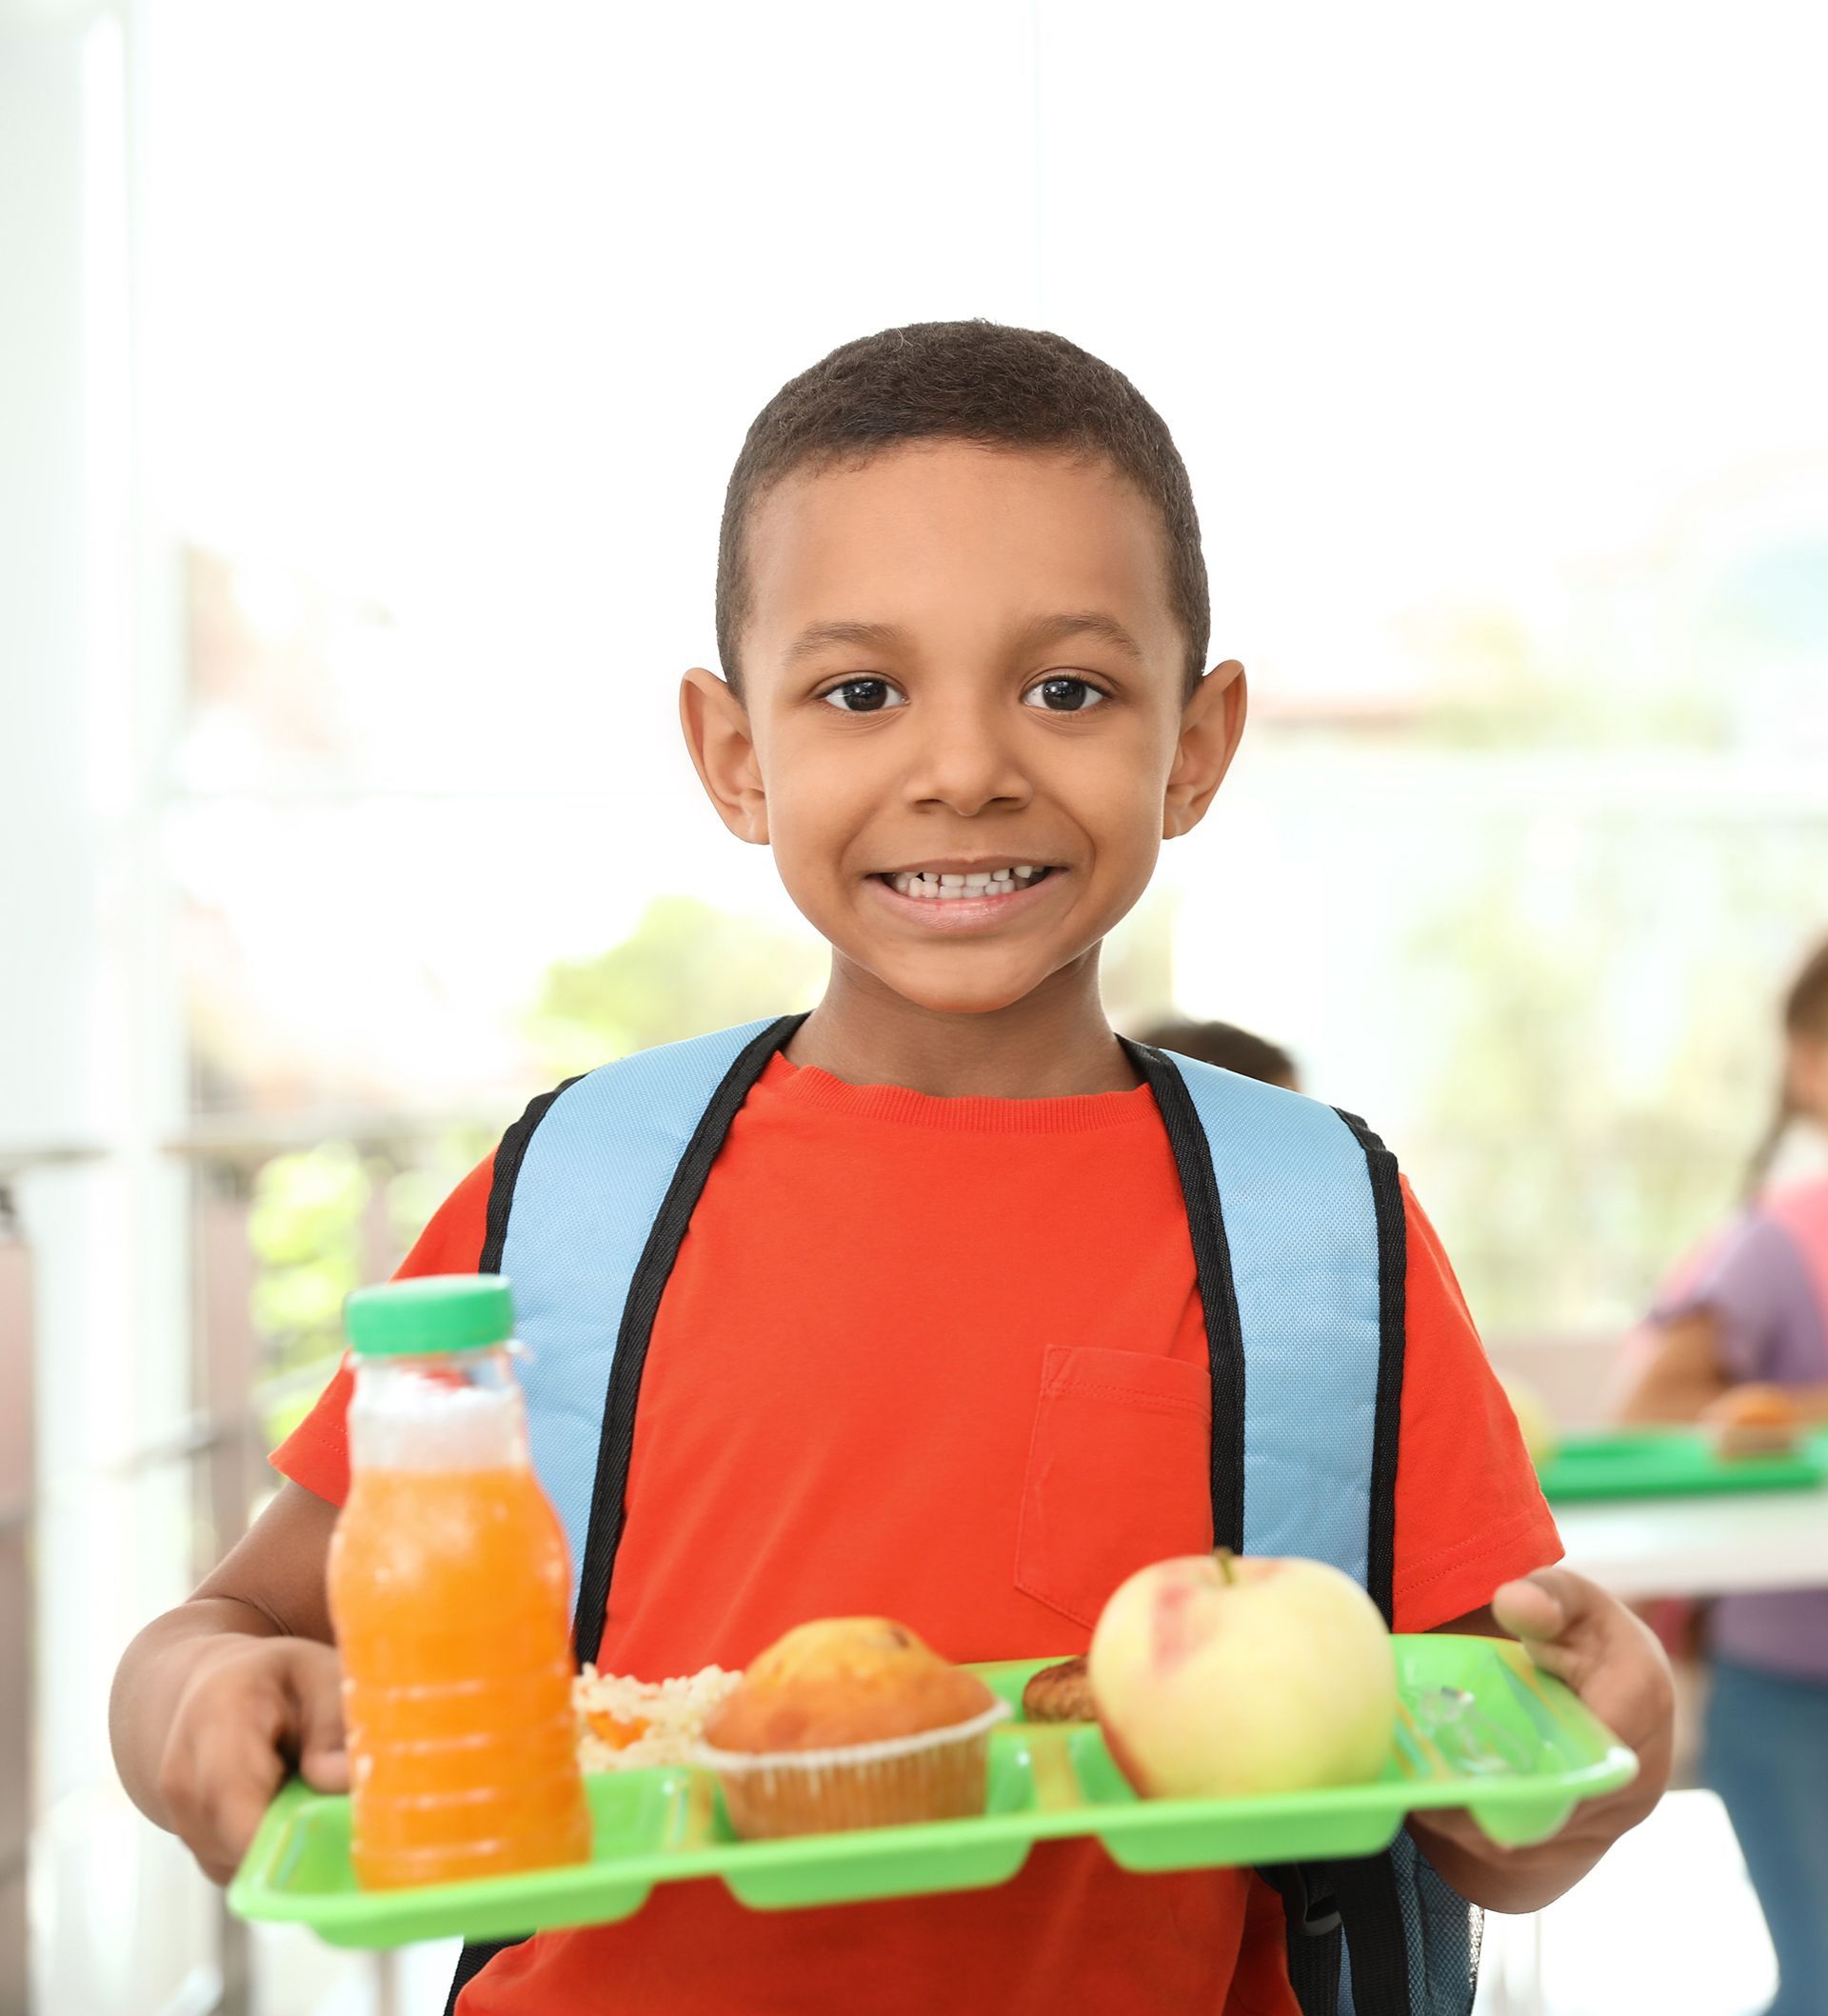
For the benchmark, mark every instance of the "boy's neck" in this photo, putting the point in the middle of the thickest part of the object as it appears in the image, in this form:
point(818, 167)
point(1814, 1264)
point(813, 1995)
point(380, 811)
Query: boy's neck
point(1053, 1043)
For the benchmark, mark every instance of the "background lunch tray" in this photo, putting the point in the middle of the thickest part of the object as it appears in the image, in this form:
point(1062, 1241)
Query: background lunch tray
point(1662, 1463)
point(1517, 1754)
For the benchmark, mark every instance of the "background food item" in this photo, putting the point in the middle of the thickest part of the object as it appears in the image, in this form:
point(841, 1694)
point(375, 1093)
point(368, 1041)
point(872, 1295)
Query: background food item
point(1754, 1421)
point(1540, 1435)
point(1223, 1676)
point(627, 1725)
point(850, 1721)
point(1060, 1693)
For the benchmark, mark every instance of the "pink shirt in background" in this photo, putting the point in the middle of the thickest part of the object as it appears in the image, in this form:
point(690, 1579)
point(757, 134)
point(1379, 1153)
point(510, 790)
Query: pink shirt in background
point(1765, 1280)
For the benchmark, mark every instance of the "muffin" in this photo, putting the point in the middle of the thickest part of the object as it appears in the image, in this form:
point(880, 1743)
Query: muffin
point(1754, 1421)
point(850, 1721)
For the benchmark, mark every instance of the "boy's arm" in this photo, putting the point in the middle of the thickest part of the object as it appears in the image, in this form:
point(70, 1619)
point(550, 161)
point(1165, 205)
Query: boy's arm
point(1471, 1519)
point(1578, 1632)
point(216, 1700)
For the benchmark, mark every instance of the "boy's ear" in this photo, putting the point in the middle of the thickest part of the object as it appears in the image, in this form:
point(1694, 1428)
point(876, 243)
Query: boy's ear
point(1211, 725)
point(723, 748)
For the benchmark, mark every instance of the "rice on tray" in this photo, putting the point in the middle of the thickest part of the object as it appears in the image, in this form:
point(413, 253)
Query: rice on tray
point(624, 1724)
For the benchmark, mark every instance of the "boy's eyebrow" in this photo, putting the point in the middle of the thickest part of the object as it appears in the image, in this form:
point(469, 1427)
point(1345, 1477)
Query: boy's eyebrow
point(887, 636)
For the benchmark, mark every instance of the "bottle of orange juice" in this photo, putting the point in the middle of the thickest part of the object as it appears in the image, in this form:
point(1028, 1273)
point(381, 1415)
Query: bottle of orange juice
point(447, 1582)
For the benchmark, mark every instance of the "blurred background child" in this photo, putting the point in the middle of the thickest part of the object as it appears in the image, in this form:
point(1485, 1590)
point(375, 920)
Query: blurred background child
point(1228, 1047)
point(1747, 1316)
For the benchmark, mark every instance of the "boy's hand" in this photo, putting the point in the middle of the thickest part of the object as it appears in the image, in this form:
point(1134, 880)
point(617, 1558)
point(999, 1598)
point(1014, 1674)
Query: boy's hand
point(251, 1709)
point(1574, 1629)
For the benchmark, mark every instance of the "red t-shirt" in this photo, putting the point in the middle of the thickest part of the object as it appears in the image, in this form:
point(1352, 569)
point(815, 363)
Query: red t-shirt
point(946, 1360)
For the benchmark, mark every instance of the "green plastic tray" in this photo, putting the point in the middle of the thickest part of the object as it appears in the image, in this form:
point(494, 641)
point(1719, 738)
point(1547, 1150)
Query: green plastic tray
point(1479, 1728)
point(1662, 1463)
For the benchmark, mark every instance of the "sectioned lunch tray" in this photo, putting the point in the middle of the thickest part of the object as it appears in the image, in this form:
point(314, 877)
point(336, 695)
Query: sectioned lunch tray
point(1479, 1728)
point(1662, 1463)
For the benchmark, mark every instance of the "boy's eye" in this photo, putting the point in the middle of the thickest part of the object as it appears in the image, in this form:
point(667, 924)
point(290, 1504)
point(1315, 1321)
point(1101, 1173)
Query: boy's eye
point(1065, 694)
point(861, 696)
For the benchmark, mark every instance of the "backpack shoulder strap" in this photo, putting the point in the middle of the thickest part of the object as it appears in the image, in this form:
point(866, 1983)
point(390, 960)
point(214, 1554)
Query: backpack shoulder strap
point(1300, 1238)
point(1298, 1232)
point(592, 1191)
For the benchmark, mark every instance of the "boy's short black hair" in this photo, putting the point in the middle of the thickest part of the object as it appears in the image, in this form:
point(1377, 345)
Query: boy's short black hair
point(974, 381)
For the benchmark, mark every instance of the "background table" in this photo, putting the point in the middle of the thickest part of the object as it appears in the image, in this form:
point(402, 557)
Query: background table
point(1703, 1546)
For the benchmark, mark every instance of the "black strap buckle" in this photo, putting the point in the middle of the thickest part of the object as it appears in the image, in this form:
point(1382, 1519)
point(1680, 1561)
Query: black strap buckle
point(1308, 1905)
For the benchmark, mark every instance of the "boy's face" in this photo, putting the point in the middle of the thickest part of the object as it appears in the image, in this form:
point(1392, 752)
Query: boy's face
point(922, 694)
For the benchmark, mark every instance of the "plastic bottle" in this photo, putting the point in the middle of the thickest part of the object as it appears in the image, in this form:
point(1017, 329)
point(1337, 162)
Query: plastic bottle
point(448, 1582)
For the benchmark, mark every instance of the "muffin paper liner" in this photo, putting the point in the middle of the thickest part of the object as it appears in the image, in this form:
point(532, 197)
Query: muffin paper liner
point(938, 1774)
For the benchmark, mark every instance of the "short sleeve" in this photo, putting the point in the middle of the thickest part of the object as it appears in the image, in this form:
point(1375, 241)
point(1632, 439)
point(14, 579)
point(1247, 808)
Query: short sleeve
point(1470, 1514)
point(316, 1453)
point(1756, 1284)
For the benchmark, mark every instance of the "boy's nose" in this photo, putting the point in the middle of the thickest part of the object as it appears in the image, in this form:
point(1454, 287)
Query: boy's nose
point(961, 762)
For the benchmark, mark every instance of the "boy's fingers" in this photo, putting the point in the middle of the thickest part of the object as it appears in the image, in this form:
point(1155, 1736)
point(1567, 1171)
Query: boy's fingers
point(326, 1770)
point(1529, 1607)
point(1562, 1619)
point(240, 1724)
point(236, 1769)
point(316, 1685)
point(1554, 1603)
point(237, 1817)
point(1574, 1629)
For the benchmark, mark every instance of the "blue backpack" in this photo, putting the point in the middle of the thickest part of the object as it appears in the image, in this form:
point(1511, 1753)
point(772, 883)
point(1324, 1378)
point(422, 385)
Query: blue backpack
point(1298, 1233)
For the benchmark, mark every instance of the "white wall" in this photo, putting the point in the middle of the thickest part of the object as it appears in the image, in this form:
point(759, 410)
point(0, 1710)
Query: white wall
point(90, 1056)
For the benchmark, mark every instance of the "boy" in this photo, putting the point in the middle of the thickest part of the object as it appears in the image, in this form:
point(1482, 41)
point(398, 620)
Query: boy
point(963, 616)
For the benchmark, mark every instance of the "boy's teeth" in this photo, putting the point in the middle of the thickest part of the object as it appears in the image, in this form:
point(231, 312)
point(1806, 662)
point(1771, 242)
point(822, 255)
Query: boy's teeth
point(955, 889)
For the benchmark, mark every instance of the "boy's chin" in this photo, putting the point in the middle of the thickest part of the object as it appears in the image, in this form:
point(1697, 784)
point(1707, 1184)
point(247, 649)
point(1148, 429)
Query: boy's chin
point(955, 994)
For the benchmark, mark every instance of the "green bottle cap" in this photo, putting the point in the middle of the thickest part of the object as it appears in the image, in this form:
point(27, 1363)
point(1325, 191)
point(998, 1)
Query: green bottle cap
point(435, 1313)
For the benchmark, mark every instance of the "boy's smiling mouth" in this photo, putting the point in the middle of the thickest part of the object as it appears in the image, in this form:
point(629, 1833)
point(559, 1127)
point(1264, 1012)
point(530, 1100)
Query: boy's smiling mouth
point(961, 896)
point(949, 881)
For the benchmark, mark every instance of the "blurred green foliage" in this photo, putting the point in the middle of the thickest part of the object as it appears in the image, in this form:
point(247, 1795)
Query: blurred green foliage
point(1597, 1091)
point(688, 967)
point(1496, 682)
point(304, 1227)
point(324, 1221)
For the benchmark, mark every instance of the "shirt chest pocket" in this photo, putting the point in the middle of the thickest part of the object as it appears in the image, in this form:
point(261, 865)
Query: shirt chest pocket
point(1119, 1474)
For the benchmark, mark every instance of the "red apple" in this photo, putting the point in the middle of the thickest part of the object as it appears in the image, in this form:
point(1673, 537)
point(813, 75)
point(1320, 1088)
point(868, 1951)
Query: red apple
point(1220, 1676)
